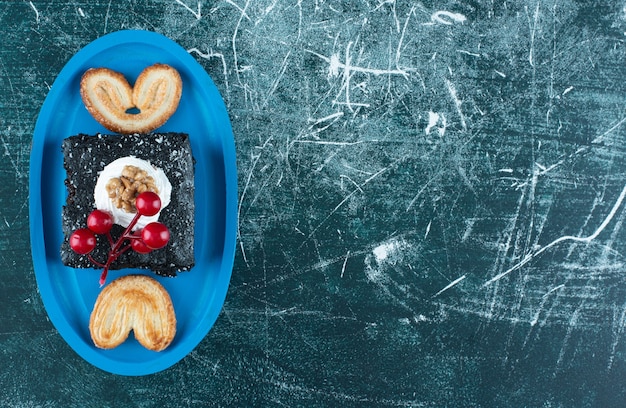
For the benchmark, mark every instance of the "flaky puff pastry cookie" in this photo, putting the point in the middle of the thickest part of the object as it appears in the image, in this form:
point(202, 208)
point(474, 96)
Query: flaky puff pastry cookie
point(133, 302)
point(110, 99)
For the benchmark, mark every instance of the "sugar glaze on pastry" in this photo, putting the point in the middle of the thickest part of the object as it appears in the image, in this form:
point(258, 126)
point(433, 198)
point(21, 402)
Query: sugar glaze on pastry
point(133, 302)
point(108, 96)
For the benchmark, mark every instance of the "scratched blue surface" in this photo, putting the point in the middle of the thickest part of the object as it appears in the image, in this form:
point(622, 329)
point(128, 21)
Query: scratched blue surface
point(431, 203)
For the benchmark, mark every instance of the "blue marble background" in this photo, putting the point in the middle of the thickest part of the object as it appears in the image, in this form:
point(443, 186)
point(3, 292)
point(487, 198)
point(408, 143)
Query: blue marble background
point(431, 203)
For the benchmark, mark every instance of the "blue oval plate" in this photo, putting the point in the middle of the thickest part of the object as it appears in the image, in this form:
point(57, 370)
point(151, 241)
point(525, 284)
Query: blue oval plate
point(198, 295)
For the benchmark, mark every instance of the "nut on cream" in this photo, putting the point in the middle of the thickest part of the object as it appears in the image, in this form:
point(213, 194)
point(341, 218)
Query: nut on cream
point(114, 170)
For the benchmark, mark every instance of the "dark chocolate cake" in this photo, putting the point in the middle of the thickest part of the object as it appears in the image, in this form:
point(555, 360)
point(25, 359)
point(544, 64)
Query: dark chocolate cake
point(84, 158)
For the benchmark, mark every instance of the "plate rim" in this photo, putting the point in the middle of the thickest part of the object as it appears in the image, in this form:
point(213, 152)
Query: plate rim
point(38, 248)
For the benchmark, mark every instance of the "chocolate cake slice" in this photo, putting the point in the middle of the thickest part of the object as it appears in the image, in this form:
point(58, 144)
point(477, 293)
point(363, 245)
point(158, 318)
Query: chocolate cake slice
point(85, 156)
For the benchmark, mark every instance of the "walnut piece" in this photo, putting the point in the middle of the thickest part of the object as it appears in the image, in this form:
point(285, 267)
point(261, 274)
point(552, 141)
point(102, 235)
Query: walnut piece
point(124, 189)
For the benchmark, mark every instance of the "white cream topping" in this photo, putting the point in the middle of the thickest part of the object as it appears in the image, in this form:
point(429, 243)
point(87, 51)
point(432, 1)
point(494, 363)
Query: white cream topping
point(114, 170)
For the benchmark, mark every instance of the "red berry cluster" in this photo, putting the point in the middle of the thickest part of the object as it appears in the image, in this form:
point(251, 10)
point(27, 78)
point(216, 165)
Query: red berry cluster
point(155, 235)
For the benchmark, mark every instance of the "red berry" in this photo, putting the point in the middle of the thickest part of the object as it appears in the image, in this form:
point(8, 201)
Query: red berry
point(155, 235)
point(99, 221)
point(148, 203)
point(138, 245)
point(82, 241)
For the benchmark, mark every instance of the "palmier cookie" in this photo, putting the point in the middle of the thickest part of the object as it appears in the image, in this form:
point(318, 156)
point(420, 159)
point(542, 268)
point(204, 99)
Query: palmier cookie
point(133, 302)
point(109, 98)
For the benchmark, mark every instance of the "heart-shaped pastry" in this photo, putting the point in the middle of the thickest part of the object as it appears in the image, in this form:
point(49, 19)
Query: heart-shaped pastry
point(111, 100)
point(133, 302)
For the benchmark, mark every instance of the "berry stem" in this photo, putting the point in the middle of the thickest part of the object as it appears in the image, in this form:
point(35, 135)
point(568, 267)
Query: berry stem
point(83, 241)
point(112, 258)
point(125, 235)
point(103, 275)
point(116, 248)
point(94, 261)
